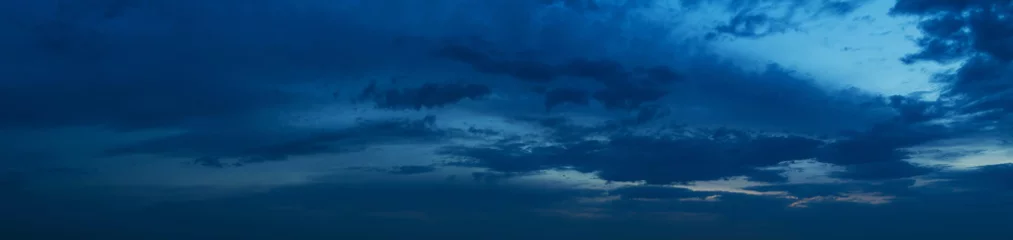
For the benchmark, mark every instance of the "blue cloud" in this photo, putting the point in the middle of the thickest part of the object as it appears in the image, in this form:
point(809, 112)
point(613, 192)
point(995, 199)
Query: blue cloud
point(252, 145)
point(699, 155)
point(975, 32)
point(429, 95)
point(509, 96)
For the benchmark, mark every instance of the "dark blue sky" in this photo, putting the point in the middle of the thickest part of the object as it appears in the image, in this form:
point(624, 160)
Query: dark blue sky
point(506, 119)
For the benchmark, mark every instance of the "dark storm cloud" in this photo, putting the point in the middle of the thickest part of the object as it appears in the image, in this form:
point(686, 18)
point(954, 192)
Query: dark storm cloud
point(880, 152)
point(211, 162)
point(608, 72)
point(880, 144)
point(623, 88)
point(523, 70)
point(429, 95)
point(233, 70)
point(775, 98)
point(559, 96)
point(628, 97)
point(237, 146)
point(221, 74)
point(236, 72)
point(225, 89)
point(978, 31)
point(707, 91)
point(649, 113)
point(958, 28)
point(163, 64)
point(140, 102)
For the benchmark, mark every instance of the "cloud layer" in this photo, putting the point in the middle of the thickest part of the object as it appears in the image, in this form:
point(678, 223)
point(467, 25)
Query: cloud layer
point(485, 119)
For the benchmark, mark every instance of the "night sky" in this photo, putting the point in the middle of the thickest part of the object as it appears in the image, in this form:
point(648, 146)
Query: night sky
point(506, 119)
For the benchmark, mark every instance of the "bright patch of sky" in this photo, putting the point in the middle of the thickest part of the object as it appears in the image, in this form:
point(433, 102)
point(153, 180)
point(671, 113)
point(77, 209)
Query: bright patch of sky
point(862, 50)
point(963, 154)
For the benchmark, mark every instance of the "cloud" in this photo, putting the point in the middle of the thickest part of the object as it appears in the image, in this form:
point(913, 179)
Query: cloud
point(690, 155)
point(874, 199)
point(804, 190)
point(656, 192)
point(408, 170)
point(774, 98)
point(559, 96)
point(958, 28)
point(883, 170)
point(142, 68)
point(703, 90)
point(976, 33)
point(950, 155)
point(603, 88)
point(989, 178)
point(685, 154)
point(400, 170)
point(494, 177)
point(758, 19)
point(225, 103)
point(212, 147)
point(482, 62)
point(747, 25)
point(881, 151)
point(429, 95)
point(624, 89)
point(218, 79)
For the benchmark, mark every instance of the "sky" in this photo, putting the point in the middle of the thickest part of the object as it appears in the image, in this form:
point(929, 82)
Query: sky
point(506, 119)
